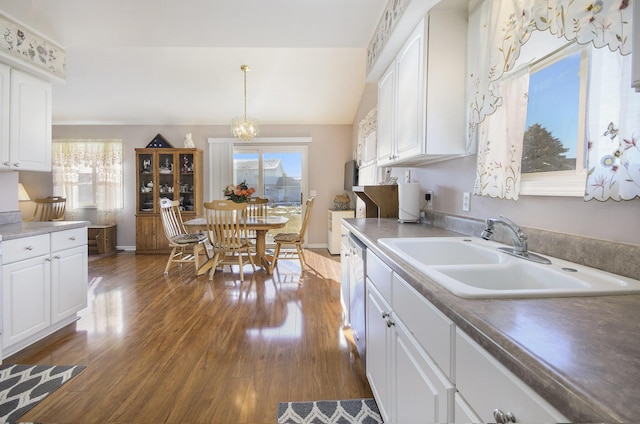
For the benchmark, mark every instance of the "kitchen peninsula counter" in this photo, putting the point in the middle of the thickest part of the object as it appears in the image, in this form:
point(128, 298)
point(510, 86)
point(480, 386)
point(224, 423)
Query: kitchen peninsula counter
point(581, 354)
point(25, 229)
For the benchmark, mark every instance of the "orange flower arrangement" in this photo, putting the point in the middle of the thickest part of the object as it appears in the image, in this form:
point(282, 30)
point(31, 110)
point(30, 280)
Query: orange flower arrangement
point(239, 193)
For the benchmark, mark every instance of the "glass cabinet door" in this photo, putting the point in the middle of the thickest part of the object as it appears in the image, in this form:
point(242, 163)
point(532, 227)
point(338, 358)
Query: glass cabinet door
point(145, 182)
point(185, 181)
point(166, 184)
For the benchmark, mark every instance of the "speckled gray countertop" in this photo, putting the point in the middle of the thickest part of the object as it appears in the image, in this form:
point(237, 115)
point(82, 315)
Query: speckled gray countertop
point(25, 229)
point(581, 354)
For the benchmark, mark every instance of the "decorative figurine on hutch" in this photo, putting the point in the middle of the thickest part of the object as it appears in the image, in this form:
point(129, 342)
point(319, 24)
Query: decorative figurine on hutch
point(188, 141)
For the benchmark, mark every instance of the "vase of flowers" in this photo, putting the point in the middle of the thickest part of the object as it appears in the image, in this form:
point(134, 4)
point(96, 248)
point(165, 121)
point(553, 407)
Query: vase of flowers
point(239, 193)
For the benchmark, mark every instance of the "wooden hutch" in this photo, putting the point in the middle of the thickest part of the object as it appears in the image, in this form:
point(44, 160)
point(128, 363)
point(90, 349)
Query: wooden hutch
point(174, 173)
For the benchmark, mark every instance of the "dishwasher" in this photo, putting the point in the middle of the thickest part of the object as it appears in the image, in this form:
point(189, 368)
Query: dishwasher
point(357, 268)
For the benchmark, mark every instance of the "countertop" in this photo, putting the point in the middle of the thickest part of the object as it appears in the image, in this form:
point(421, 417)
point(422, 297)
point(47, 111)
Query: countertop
point(25, 229)
point(581, 354)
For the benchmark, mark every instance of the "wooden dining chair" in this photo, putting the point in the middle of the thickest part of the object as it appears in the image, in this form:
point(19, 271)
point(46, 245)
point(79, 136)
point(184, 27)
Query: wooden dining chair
point(50, 208)
point(256, 206)
point(227, 232)
point(185, 247)
point(295, 239)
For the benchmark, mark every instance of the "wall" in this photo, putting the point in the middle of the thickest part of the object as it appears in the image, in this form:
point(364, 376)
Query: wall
point(330, 149)
point(611, 221)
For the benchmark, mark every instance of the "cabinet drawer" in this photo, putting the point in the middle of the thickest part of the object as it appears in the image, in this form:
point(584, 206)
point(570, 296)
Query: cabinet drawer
point(380, 275)
point(430, 327)
point(486, 385)
point(61, 240)
point(25, 248)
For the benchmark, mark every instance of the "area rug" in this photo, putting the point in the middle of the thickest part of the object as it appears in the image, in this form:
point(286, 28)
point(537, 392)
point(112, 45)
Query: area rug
point(352, 411)
point(23, 386)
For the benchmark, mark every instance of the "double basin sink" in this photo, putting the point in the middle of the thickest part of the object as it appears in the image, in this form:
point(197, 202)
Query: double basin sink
point(474, 268)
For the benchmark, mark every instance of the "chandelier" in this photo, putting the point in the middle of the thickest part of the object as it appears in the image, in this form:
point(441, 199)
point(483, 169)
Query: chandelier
point(244, 128)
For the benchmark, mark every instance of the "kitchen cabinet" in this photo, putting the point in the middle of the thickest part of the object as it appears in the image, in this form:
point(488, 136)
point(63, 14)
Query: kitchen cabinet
point(421, 96)
point(399, 369)
point(26, 121)
point(26, 288)
point(170, 173)
point(44, 285)
point(334, 229)
point(69, 273)
point(484, 386)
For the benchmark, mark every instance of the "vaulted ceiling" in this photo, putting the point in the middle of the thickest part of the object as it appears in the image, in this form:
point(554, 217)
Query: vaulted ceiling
point(178, 61)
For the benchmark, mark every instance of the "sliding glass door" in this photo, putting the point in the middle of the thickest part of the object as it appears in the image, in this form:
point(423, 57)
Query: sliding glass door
point(277, 173)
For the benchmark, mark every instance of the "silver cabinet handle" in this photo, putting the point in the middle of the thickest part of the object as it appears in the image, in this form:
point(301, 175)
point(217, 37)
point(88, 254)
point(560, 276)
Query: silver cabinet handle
point(48, 259)
point(29, 247)
point(503, 417)
point(72, 238)
point(56, 257)
point(390, 323)
point(385, 315)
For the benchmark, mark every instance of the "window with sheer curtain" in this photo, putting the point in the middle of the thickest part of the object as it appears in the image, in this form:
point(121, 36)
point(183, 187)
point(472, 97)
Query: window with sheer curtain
point(502, 28)
point(88, 173)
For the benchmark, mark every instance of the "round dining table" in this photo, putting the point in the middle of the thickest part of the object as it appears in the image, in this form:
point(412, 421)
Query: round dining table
point(259, 224)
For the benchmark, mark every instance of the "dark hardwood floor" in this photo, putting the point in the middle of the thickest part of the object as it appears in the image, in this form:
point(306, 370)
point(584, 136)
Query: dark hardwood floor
point(181, 349)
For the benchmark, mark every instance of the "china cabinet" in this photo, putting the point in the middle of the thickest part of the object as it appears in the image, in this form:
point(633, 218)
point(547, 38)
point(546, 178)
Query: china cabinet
point(170, 173)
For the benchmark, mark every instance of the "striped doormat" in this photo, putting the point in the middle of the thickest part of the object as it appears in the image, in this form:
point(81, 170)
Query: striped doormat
point(23, 386)
point(351, 411)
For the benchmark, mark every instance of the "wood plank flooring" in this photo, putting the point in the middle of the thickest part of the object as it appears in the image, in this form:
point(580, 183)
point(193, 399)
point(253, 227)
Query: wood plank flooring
point(181, 349)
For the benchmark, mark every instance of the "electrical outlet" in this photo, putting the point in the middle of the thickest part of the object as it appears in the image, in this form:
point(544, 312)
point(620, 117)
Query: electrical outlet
point(428, 196)
point(312, 193)
point(466, 202)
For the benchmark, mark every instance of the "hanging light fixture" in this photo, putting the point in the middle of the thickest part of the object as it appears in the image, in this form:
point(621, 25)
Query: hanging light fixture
point(244, 128)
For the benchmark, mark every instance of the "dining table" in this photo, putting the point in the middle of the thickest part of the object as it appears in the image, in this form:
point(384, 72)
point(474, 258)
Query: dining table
point(260, 224)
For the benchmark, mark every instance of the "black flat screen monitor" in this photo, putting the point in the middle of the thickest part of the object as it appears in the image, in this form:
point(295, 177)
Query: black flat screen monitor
point(350, 175)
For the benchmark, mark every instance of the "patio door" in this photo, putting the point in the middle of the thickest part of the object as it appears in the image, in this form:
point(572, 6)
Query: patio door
point(277, 173)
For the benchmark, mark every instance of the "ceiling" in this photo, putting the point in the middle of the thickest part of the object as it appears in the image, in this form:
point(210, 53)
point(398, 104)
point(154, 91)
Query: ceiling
point(178, 61)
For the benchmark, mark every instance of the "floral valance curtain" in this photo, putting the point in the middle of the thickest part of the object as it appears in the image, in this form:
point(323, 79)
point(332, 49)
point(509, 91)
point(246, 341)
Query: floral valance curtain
point(70, 158)
point(503, 27)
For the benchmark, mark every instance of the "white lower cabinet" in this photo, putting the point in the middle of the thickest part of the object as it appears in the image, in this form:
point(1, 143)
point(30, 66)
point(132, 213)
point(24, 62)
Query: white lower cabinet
point(378, 349)
point(415, 354)
point(44, 284)
point(408, 385)
point(421, 392)
point(487, 388)
point(26, 290)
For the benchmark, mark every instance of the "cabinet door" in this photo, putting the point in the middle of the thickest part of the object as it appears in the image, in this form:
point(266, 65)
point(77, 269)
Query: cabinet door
point(69, 281)
point(30, 128)
point(26, 298)
point(386, 113)
point(5, 77)
point(146, 161)
point(378, 349)
point(422, 393)
point(146, 233)
point(410, 94)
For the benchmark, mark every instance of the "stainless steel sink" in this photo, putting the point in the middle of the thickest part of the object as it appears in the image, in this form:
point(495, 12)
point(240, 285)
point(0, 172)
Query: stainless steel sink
point(474, 268)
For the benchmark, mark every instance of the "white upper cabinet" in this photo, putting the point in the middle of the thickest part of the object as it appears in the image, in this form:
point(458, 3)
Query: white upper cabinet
point(26, 121)
point(421, 96)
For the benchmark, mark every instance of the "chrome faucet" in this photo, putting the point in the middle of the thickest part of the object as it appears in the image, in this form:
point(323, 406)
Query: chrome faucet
point(518, 236)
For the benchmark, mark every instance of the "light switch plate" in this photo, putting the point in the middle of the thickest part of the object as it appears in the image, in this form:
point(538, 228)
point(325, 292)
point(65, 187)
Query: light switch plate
point(466, 202)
